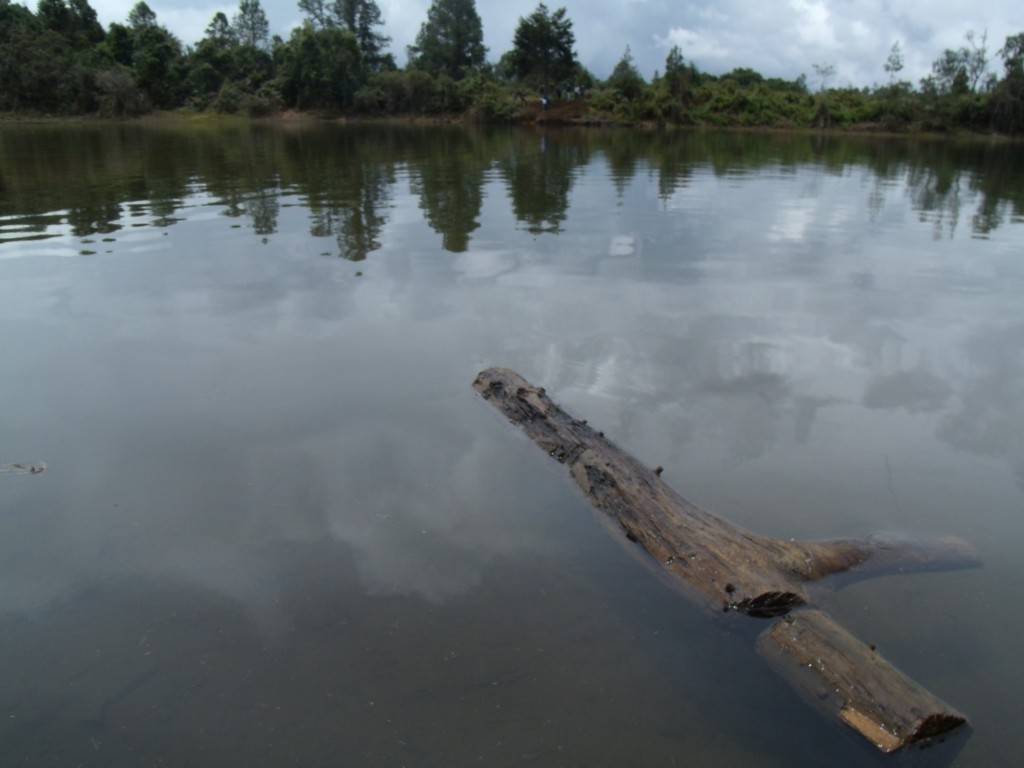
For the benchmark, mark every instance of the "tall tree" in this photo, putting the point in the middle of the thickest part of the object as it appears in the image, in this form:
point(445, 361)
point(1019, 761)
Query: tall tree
point(53, 14)
point(30, 71)
point(141, 16)
point(250, 24)
point(120, 43)
point(319, 68)
point(626, 78)
point(220, 32)
point(825, 72)
point(959, 71)
point(361, 18)
point(318, 13)
point(1012, 54)
point(1009, 92)
point(679, 78)
point(155, 58)
point(75, 19)
point(451, 41)
point(894, 63)
point(542, 46)
point(84, 22)
point(977, 58)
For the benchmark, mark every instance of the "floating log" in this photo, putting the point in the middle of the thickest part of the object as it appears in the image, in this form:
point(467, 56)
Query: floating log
point(726, 567)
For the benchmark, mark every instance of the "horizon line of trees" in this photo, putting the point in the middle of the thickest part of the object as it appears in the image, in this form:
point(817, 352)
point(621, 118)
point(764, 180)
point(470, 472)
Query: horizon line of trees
point(60, 60)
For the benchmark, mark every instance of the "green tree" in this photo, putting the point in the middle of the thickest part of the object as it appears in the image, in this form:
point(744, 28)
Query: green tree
point(318, 13)
point(226, 73)
point(1008, 111)
point(451, 41)
point(319, 68)
point(220, 33)
point(75, 19)
point(250, 24)
point(53, 14)
point(679, 78)
point(141, 16)
point(156, 54)
point(894, 63)
point(120, 44)
point(961, 71)
point(1012, 54)
point(744, 77)
point(361, 18)
point(626, 78)
point(156, 57)
point(949, 74)
point(30, 72)
point(84, 22)
point(542, 46)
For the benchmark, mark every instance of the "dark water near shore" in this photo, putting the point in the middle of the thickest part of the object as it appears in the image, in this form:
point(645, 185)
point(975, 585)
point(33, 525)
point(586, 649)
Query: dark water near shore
point(277, 527)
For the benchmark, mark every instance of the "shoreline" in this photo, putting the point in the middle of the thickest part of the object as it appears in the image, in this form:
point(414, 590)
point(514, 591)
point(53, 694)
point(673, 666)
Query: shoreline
point(531, 119)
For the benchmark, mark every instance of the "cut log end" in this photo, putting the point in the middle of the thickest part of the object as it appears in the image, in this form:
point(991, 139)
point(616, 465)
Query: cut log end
point(848, 679)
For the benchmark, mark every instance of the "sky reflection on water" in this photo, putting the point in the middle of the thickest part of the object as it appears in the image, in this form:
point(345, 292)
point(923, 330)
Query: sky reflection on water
point(813, 337)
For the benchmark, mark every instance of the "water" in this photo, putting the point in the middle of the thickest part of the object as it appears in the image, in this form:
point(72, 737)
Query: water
point(277, 527)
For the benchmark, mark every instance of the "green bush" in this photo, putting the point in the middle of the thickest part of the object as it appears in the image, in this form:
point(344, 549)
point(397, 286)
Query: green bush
point(488, 102)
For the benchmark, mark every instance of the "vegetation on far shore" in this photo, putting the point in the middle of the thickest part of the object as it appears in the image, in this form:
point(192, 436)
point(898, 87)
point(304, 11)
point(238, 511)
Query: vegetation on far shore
point(59, 61)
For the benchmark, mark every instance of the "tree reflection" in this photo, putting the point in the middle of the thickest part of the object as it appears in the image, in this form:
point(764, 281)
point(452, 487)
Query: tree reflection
point(352, 213)
point(101, 218)
point(675, 163)
point(449, 180)
point(345, 178)
point(94, 177)
point(943, 178)
point(538, 172)
point(624, 151)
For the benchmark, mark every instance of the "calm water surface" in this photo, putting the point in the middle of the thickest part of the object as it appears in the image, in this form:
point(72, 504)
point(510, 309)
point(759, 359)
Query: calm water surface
point(277, 526)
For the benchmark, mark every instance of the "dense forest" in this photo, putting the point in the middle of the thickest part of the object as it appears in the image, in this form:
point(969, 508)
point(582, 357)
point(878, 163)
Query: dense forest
point(59, 60)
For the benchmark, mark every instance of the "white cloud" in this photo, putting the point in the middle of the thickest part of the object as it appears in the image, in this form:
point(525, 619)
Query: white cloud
point(812, 24)
point(695, 46)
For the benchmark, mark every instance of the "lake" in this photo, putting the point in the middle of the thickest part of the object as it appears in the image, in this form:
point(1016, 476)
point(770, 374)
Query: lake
point(278, 527)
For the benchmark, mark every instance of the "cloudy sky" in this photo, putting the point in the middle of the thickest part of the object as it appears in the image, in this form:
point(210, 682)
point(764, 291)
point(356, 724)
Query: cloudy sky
point(781, 38)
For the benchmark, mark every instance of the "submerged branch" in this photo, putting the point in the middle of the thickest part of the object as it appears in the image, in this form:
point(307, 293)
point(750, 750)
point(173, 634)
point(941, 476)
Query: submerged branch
point(727, 567)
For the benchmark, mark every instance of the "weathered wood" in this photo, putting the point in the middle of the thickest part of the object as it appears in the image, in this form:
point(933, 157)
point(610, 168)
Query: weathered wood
point(836, 672)
point(727, 567)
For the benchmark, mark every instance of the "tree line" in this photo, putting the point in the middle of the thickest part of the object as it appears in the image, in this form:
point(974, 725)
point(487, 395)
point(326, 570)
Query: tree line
point(59, 60)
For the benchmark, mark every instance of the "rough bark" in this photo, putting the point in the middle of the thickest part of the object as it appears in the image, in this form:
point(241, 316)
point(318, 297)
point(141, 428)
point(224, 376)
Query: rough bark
point(727, 567)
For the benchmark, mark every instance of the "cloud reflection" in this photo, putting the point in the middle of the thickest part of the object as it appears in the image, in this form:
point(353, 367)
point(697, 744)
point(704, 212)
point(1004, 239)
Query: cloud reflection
point(210, 402)
point(989, 417)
